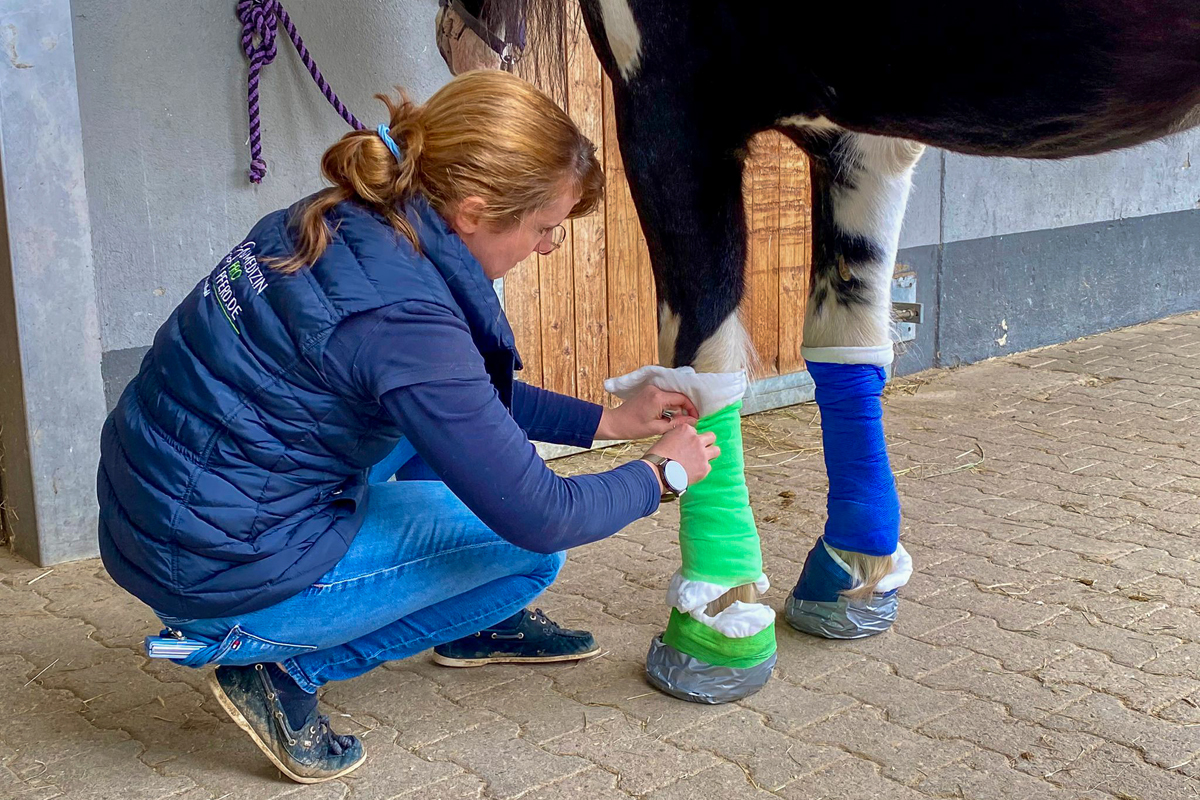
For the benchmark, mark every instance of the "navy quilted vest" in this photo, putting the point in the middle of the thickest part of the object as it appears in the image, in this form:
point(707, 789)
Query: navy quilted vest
point(232, 474)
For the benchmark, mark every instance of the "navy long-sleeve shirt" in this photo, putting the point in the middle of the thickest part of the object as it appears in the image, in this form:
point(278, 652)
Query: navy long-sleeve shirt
point(440, 396)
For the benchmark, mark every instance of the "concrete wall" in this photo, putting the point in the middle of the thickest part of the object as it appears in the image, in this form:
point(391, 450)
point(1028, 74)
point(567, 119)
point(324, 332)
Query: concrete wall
point(162, 94)
point(51, 400)
point(1012, 254)
point(123, 131)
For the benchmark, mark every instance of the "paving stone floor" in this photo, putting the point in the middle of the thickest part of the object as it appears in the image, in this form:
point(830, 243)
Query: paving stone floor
point(1048, 645)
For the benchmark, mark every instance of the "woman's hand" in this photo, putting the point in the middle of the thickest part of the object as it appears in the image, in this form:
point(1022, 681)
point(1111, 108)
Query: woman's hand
point(691, 449)
point(642, 415)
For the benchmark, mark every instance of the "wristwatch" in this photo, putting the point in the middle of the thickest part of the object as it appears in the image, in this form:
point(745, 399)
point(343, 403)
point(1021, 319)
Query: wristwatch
point(674, 476)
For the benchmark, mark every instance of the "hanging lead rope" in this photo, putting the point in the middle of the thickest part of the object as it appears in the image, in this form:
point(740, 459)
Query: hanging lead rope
point(259, 19)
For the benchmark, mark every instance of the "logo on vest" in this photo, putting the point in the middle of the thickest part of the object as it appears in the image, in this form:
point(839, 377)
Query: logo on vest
point(222, 284)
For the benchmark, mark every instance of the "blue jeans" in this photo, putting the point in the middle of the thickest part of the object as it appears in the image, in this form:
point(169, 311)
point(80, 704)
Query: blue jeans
point(422, 570)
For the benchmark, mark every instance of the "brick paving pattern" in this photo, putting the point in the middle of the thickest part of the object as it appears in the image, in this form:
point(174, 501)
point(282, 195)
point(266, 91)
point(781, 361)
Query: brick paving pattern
point(1048, 645)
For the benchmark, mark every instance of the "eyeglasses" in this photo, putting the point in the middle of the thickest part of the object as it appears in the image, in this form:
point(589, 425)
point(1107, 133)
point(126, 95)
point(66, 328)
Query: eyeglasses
point(551, 240)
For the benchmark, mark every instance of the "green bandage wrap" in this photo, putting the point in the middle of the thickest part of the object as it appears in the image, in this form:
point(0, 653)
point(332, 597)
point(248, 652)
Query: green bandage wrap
point(697, 639)
point(717, 536)
point(719, 544)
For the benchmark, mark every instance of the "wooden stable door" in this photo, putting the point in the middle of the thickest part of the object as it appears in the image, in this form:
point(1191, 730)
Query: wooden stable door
point(778, 198)
point(588, 311)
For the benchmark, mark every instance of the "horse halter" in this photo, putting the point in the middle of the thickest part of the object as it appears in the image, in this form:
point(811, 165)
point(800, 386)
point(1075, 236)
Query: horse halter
point(510, 48)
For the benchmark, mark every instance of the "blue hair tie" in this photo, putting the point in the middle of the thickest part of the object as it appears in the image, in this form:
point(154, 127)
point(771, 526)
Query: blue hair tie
point(386, 135)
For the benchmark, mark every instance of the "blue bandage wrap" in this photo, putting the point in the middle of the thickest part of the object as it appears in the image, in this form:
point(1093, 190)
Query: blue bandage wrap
point(822, 580)
point(863, 507)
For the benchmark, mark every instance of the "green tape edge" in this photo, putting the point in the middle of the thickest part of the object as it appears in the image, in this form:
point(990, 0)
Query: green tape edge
point(700, 641)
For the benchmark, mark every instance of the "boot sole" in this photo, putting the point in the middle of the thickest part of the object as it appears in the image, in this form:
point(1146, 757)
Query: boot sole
point(244, 724)
point(446, 661)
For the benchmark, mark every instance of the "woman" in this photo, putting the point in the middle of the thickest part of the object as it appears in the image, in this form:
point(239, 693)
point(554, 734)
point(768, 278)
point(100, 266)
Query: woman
point(355, 337)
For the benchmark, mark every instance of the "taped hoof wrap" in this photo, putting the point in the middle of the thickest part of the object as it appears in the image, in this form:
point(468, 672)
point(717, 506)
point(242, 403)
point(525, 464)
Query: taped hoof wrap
point(817, 607)
point(729, 655)
point(842, 619)
point(696, 681)
point(694, 662)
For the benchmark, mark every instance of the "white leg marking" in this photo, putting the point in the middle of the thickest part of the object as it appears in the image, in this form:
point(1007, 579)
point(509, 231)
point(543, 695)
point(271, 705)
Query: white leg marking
point(668, 334)
point(882, 172)
point(874, 210)
point(624, 38)
point(727, 350)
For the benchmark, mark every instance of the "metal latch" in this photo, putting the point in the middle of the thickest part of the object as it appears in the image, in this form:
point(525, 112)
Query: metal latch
point(905, 308)
point(908, 312)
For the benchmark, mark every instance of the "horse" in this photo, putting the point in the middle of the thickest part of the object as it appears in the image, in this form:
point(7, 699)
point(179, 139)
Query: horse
point(862, 88)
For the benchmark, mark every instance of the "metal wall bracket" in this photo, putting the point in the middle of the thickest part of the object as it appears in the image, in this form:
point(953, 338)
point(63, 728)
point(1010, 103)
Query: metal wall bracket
point(906, 311)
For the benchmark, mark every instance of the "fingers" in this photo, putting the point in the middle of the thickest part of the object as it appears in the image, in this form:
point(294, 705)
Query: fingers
point(660, 427)
point(678, 400)
point(707, 438)
point(673, 400)
point(685, 425)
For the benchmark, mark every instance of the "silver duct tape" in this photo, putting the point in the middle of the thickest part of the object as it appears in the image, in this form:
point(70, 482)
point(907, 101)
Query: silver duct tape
point(844, 619)
point(696, 681)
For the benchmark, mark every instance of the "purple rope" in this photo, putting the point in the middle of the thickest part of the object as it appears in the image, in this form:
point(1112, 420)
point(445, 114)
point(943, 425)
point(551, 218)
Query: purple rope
point(260, 19)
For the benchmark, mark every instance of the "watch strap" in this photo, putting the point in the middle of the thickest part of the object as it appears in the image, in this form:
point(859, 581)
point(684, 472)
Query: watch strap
point(660, 463)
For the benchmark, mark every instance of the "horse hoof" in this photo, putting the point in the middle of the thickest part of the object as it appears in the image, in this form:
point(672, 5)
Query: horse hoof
point(691, 679)
point(842, 618)
point(817, 606)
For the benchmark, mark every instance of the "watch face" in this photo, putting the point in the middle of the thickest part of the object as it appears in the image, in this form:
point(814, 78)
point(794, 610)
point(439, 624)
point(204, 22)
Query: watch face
point(676, 476)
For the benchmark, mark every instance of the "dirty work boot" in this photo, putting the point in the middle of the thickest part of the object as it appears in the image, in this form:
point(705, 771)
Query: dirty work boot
point(311, 753)
point(527, 637)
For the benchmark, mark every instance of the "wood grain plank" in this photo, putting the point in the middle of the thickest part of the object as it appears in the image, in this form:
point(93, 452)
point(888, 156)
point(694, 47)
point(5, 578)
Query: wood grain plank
point(795, 252)
point(622, 237)
point(647, 302)
point(557, 284)
point(523, 307)
point(556, 279)
point(523, 286)
point(760, 306)
point(585, 95)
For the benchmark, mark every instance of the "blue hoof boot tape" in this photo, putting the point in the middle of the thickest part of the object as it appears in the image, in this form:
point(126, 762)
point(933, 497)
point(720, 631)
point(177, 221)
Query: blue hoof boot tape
point(817, 607)
point(689, 678)
point(863, 506)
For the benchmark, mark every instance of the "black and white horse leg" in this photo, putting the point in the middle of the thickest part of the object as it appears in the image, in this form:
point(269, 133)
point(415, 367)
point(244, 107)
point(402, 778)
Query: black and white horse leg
point(860, 190)
point(684, 163)
point(686, 178)
point(688, 190)
point(861, 186)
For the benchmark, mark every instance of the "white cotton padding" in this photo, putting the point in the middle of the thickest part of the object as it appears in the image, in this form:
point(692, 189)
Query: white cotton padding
point(739, 620)
point(879, 355)
point(902, 568)
point(688, 595)
point(709, 391)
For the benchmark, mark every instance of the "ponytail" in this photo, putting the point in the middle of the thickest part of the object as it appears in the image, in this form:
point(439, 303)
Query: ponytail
point(361, 167)
point(485, 134)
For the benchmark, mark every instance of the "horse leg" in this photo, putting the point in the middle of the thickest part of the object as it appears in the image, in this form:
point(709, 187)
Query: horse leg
point(860, 189)
point(685, 176)
point(724, 348)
